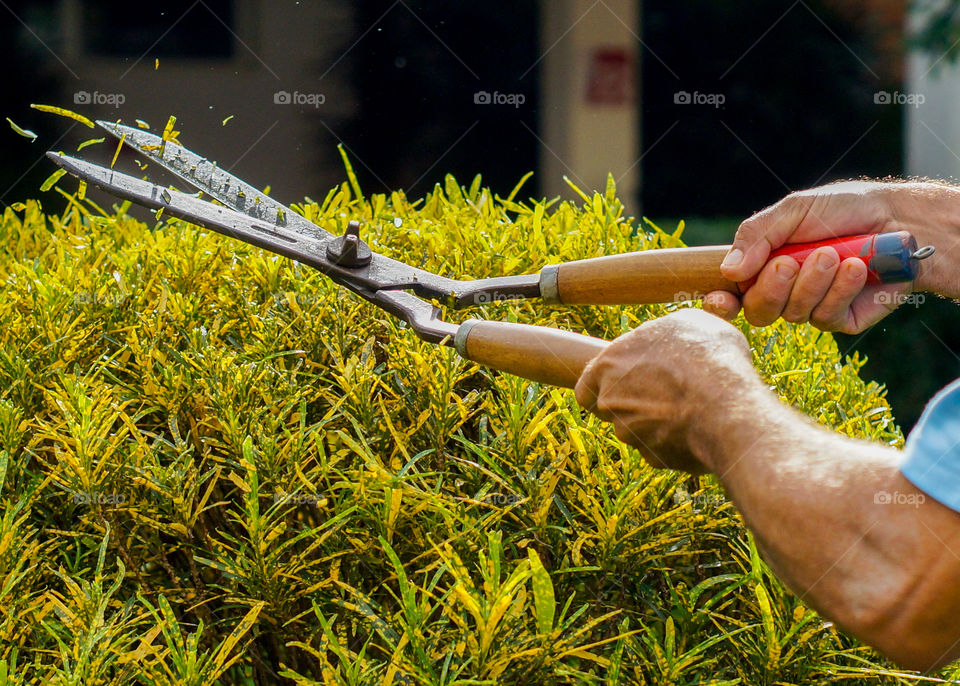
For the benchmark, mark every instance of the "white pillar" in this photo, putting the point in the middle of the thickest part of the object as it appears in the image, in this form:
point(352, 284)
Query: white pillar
point(589, 124)
point(932, 122)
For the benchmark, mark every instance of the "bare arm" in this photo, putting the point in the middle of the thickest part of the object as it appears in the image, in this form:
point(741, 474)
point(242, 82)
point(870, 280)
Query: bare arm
point(887, 573)
point(846, 531)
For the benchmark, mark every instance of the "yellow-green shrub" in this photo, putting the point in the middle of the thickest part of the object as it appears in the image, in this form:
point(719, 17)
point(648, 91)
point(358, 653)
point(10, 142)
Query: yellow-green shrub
point(216, 466)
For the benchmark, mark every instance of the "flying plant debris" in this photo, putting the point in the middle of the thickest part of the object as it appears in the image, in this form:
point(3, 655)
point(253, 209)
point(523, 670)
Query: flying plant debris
point(64, 113)
point(52, 180)
point(142, 124)
point(23, 132)
point(92, 141)
point(227, 119)
point(169, 135)
point(116, 153)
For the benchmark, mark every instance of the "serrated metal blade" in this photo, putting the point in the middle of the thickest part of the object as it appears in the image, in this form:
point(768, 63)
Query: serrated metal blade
point(223, 220)
point(205, 175)
point(382, 273)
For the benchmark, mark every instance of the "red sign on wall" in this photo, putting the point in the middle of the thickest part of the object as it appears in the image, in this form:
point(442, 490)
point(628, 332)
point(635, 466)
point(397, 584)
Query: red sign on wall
point(610, 77)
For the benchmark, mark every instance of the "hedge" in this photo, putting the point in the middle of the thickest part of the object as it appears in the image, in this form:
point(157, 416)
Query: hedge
point(217, 467)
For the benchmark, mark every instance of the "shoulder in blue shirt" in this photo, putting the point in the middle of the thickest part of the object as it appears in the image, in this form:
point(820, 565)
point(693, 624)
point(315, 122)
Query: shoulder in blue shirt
point(932, 452)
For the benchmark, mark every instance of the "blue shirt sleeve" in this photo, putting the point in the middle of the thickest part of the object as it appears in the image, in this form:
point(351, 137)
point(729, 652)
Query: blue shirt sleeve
point(932, 453)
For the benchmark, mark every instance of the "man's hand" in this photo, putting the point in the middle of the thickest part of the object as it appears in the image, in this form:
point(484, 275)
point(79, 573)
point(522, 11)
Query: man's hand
point(829, 293)
point(654, 383)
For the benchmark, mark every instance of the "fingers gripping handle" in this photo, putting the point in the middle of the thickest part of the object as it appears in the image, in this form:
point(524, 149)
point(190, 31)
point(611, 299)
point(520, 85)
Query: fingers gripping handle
point(889, 257)
point(538, 353)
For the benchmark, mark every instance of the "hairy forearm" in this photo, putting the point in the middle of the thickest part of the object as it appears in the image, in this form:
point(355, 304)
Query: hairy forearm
point(815, 502)
point(931, 212)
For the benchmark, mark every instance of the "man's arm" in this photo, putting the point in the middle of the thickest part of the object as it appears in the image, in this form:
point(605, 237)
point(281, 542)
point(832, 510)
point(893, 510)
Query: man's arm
point(888, 573)
point(845, 530)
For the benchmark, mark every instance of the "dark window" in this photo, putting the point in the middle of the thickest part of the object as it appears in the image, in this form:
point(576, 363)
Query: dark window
point(422, 71)
point(184, 29)
point(798, 82)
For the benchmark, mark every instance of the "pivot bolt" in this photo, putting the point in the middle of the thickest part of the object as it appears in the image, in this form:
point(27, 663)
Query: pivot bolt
point(348, 250)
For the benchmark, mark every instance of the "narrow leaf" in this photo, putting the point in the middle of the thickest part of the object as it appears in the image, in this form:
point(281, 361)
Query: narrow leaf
point(64, 113)
point(543, 593)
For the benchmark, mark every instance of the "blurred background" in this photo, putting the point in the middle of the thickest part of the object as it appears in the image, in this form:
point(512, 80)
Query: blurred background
point(705, 110)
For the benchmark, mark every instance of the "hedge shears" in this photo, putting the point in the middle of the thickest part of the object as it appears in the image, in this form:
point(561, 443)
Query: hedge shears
point(538, 353)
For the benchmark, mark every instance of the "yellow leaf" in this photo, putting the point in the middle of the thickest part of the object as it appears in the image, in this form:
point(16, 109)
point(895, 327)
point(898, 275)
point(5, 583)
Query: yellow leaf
point(769, 627)
point(543, 593)
point(26, 133)
point(237, 481)
point(116, 153)
point(64, 113)
point(470, 603)
point(489, 630)
point(393, 498)
point(222, 660)
point(52, 179)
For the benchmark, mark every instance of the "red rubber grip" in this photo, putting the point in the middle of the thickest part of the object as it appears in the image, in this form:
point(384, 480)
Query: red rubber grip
point(889, 257)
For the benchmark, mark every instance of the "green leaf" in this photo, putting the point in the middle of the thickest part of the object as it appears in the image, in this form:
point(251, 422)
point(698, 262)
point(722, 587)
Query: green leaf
point(351, 175)
point(543, 593)
point(52, 180)
point(769, 628)
point(223, 658)
point(26, 133)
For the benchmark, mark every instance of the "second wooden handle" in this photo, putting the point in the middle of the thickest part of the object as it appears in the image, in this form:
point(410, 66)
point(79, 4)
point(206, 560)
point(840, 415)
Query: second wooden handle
point(638, 278)
point(538, 353)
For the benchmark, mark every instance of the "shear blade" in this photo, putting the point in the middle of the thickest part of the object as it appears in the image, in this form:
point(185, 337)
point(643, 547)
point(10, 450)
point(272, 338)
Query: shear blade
point(223, 220)
point(205, 175)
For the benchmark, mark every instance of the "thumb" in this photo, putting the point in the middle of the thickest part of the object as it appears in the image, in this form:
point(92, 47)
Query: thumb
point(762, 233)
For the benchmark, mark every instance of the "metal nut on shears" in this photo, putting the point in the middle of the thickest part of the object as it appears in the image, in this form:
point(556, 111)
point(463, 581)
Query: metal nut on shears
point(348, 250)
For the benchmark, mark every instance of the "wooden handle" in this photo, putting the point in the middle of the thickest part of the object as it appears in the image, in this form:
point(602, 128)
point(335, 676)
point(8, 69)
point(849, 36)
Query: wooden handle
point(538, 353)
point(638, 278)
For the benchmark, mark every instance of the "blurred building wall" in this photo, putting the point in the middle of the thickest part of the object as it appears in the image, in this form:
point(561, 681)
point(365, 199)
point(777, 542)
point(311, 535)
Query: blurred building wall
point(932, 128)
point(294, 78)
point(271, 85)
point(932, 124)
point(589, 106)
